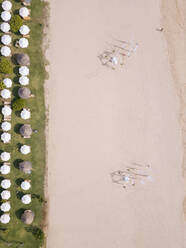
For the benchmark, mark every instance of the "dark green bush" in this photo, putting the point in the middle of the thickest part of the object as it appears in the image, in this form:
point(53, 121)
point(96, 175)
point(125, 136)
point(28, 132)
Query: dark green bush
point(15, 23)
point(5, 66)
point(18, 104)
point(37, 232)
point(2, 85)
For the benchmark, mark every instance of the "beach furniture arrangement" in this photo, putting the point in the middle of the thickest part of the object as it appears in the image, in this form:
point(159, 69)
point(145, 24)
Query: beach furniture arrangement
point(117, 53)
point(25, 130)
point(132, 175)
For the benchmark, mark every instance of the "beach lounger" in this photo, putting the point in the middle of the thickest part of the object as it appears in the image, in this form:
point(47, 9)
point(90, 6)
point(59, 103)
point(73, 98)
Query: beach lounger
point(7, 118)
point(26, 137)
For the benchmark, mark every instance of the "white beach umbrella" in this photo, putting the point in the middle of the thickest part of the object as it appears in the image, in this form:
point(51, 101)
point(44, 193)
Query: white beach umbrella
point(24, 30)
point(6, 126)
point(5, 194)
point(25, 114)
point(23, 80)
point(5, 137)
point(5, 207)
point(7, 82)
point(5, 218)
point(126, 179)
point(6, 111)
point(24, 70)
point(24, 12)
point(26, 199)
point(25, 185)
point(5, 156)
point(6, 5)
point(5, 184)
point(5, 27)
point(6, 94)
point(6, 39)
point(25, 149)
point(5, 169)
point(114, 60)
point(5, 51)
point(23, 43)
point(5, 16)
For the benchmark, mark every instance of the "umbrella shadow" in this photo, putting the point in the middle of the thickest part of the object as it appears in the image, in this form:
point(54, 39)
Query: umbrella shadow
point(16, 70)
point(17, 128)
point(15, 92)
point(16, 163)
point(19, 181)
point(16, 80)
point(19, 212)
point(19, 195)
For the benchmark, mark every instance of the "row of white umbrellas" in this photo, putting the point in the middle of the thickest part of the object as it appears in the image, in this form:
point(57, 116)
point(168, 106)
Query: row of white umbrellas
point(6, 110)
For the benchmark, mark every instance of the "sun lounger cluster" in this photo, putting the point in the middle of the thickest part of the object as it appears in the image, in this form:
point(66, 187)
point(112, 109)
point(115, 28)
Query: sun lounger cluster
point(6, 111)
point(132, 175)
point(117, 53)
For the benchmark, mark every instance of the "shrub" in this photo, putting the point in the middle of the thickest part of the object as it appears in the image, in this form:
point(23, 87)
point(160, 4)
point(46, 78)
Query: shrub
point(18, 104)
point(36, 231)
point(2, 85)
point(15, 23)
point(5, 66)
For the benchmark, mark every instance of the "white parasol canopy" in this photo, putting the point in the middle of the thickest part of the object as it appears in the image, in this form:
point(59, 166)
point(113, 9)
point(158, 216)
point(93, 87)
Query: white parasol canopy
point(5, 184)
point(26, 199)
point(5, 16)
point(25, 114)
point(6, 39)
point(5, 169)
point(6, 5)
point(24, 30)
point(24, 12)
point(24, 70)
point(5, 51)
point(6, 94)
point(6, 126)
point(7, 82)
point(126, 179)
point(23, 43)
point(5, 207)
point(5, 218)
point(5, 156)
point(5, 27)
point(25, 149)
point(5, 137)
point(25, 185)
point(5, 194)
point(114, 60)
point(6, 111)
point(23, 80)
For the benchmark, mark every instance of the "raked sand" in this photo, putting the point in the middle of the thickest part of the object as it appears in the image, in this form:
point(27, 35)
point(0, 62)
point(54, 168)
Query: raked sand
point(101, 119)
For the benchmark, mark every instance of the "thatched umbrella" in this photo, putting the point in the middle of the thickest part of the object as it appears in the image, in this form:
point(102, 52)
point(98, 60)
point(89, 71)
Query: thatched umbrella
point(26, 167)
point(22, 59)
point(26, 130)
point(27, 217)
point(24, 92)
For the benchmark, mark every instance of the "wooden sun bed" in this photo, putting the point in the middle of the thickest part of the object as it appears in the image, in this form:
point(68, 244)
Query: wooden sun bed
point(7, 118)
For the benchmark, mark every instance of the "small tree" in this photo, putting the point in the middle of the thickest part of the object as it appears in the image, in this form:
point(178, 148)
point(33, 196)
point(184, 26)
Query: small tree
point(18, 104)
point(5, 66)
point(2, 85)
point(15, 23)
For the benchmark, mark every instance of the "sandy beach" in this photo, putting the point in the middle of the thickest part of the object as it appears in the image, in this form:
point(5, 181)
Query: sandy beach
point(101, 120)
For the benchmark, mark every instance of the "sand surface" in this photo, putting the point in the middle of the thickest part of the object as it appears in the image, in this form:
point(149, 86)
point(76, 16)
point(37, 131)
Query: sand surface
point(102, 119)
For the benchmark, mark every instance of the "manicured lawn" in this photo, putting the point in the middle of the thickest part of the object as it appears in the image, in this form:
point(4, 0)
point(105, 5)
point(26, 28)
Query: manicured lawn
point(15, 232)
